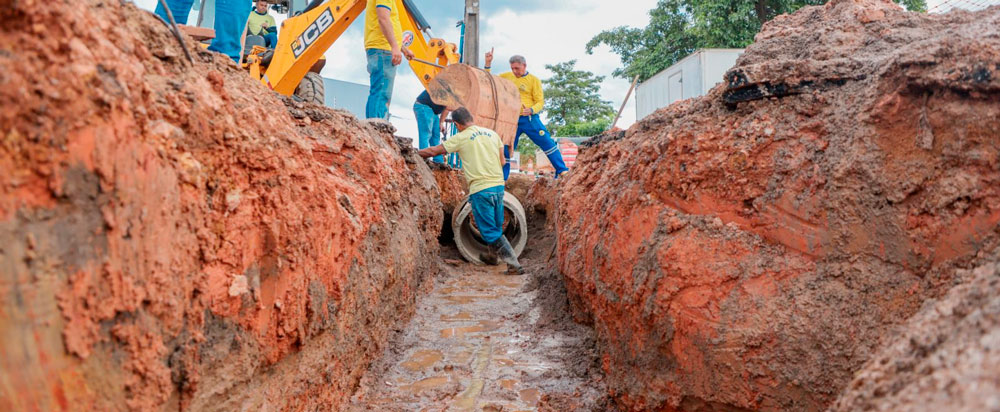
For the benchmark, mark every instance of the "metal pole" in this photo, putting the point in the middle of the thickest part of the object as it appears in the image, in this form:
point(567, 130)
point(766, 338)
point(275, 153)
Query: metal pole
point(471, 50)
point(627, 95)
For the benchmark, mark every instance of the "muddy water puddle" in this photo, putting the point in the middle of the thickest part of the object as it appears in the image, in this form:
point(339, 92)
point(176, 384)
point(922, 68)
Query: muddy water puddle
point(467, 349)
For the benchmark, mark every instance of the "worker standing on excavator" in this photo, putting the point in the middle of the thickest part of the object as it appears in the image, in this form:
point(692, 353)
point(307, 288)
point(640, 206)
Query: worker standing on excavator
point(532, 102)
point(483, 157)
point(383, 45)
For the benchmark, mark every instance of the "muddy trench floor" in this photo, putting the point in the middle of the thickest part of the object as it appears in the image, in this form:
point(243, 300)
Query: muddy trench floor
point(486, 341)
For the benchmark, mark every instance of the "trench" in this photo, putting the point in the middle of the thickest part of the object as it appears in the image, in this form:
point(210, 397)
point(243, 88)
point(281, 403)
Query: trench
point(482, 340)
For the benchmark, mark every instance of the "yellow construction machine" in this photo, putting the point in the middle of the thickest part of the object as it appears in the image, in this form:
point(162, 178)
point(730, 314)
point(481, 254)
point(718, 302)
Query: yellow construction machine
point(293, 66)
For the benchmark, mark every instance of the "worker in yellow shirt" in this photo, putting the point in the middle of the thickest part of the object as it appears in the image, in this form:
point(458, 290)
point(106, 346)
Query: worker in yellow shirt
point(482, 156)
point(530, 123)
point(385, 50)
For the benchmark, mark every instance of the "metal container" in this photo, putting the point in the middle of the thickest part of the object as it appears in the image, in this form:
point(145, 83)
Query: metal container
point(692, 76)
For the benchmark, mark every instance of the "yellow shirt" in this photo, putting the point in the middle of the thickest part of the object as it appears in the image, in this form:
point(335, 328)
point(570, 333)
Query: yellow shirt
point(479, 149)
point(374, 39)
point(530, 88)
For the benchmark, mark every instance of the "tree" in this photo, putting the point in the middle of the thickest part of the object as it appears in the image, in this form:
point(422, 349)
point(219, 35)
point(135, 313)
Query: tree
point(573, 97)
point(679, 27)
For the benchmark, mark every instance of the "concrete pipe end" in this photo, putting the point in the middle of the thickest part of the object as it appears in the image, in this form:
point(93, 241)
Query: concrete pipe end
point(470, 244)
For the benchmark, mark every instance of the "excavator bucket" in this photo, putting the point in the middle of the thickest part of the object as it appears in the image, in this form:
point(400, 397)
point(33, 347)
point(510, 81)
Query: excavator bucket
point(493, 102)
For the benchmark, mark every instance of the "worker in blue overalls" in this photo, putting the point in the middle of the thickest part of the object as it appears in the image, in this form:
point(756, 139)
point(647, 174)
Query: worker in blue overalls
point(532, 101)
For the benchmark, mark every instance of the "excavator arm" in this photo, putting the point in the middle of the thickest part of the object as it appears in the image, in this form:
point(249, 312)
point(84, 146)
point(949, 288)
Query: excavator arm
point(305, 38)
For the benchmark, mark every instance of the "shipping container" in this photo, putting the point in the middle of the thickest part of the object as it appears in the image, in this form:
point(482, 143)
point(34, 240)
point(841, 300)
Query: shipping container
point(692, 76)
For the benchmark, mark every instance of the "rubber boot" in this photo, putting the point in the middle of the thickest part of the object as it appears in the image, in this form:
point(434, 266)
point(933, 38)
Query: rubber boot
point(489, 257)
point(506, 253)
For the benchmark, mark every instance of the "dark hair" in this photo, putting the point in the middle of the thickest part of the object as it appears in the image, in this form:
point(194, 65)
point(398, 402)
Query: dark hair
point(462, 116)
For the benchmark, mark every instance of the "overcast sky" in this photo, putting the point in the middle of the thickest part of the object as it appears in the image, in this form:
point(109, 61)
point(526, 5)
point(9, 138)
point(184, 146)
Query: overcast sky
point(545, 32)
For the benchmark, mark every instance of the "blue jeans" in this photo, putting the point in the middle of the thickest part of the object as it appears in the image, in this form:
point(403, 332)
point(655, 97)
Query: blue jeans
point(382, 75)
point(428, 128)
point(270, 39)
point(487, 208)
point(536, 131)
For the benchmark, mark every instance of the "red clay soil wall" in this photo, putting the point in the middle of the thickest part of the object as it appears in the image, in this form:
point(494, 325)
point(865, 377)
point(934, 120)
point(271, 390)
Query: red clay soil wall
point(179, 238)
point(748, 250)
point(945, 358)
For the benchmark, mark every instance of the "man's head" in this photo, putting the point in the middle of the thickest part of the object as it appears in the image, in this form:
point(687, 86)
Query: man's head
point(518, 66)
point(462, 118)
point(261, 6)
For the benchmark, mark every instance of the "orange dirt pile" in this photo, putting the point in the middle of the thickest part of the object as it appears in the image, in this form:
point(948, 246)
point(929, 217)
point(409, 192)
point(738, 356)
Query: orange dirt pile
point(180, 238)
point(749, 249)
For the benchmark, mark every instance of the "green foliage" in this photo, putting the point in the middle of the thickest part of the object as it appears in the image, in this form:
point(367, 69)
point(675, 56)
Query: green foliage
point(679, 27)
point(572, 97)
point(526, 148)
point(584, 129)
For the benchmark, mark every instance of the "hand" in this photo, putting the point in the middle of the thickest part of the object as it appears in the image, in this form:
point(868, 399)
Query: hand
point(397, 57)
point(489, 58)
point(263, 25)
point(444, 129)
point(408, 54)
point(525, 111)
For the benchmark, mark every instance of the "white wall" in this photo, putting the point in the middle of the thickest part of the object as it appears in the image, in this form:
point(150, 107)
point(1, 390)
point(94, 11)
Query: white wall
point(692, 76)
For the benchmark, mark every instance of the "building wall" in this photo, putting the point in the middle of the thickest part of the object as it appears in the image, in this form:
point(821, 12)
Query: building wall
point(346, 95)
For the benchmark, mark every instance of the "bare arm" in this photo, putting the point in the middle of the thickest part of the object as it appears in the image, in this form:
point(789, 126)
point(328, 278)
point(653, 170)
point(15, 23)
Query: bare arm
point(432, 151)
point(503, 157)
point(385, 24)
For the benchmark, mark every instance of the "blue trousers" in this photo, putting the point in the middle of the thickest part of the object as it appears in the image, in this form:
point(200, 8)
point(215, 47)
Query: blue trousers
point(382, 74)
point(179, 8)
point(487, 208)
point(428, 128)
point(270, 39)
point(230, 20)
point(536, 131)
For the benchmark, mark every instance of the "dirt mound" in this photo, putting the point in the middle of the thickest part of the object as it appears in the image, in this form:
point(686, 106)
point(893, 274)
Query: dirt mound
point(177, 237)
point(947, 357)
point(749, 249)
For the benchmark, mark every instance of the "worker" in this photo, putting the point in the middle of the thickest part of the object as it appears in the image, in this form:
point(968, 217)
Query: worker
point(383, 45)
point(260, 23)
point(429, 124)
point(530, 123)
point(483, 157)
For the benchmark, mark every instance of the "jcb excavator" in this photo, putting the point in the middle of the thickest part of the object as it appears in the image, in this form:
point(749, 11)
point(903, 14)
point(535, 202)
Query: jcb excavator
point(293, 66)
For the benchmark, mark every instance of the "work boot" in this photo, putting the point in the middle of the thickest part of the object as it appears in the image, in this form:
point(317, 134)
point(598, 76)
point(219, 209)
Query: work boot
point(489, 257)
point(506, 253)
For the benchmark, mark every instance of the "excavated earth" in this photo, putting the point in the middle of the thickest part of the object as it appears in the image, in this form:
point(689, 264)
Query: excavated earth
point(175, 236)
point(752, 249)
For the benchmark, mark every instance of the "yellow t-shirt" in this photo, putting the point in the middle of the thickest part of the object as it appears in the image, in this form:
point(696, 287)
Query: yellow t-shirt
point(530, 88)
point(479, 149)
point(374, 39)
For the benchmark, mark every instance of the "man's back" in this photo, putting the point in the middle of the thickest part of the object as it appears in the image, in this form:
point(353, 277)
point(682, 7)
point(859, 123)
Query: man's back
point(480, 149)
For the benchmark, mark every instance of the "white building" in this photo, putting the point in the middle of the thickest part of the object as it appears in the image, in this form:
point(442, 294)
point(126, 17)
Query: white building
point(692, 76)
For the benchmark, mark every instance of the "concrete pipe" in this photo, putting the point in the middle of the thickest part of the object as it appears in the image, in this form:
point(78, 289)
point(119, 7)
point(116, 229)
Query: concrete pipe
point(470, 243)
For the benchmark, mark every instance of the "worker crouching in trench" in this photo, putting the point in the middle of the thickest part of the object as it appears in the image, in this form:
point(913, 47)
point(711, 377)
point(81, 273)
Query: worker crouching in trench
point(482, 154)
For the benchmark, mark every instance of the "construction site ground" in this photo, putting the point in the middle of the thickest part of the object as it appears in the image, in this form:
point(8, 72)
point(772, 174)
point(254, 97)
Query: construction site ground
point(485, 340)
